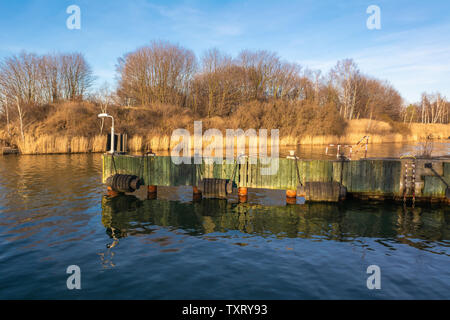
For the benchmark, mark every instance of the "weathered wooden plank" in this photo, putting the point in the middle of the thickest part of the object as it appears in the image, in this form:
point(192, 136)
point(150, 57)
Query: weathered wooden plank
point(433, 187)
point(447, 171)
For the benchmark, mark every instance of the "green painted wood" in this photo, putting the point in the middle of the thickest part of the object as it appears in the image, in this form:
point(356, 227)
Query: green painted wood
point(290, 181)
point(336, 170)
point(364, 176)
point(433, 187)
point(253, 175)
point(283, 173)
point(382, 175)
point(447, 171)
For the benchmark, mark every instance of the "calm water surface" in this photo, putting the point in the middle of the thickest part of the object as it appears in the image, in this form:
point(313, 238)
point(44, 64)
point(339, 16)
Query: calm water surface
point(53, 214)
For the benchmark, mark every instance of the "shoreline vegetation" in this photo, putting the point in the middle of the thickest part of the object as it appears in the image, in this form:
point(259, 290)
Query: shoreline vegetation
point(48, 104)
point(56, 135)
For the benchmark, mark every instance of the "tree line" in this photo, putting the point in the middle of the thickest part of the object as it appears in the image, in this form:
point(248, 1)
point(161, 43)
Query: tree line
point(214, 85)
point(218, 83)
point(39, 79)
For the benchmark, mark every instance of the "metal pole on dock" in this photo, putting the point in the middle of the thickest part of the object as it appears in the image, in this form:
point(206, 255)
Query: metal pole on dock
point(105, 115)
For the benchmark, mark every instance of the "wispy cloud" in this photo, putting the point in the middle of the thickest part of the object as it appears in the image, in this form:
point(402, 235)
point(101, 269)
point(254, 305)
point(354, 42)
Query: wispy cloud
point(413, 60)
point(412, 50)
point(197, 23)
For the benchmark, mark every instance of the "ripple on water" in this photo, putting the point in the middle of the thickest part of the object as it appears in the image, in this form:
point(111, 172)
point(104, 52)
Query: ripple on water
point(53, 214)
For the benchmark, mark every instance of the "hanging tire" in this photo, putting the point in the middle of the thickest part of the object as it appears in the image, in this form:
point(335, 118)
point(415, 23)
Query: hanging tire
point(123, 183)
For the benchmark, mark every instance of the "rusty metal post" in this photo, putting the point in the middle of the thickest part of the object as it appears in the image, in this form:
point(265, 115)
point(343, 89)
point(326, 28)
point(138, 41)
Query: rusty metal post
point(152, 192)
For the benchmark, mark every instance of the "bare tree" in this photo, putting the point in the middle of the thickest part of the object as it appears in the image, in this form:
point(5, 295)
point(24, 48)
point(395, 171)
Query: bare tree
point(160, 72)
point(104, 98)
point(19, 77)
point(21, 114)
point(6, 111)
point(76, 76)
point(51, 77)
point(434, 108)
point(260, 68)
point(345, 76)
point(43, 79)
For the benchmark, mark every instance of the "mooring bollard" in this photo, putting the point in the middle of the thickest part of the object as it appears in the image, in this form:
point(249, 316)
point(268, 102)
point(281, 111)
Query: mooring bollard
point(152, 192)
point(111, 193)
point(196, 194)
point(291, 196)
point(243, 191)
point(243, 195)
point(195, 190)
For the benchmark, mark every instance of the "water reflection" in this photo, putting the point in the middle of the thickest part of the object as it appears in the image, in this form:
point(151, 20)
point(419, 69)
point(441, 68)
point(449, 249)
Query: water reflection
point(52, 215)
point(48, 199)
point(425, 228)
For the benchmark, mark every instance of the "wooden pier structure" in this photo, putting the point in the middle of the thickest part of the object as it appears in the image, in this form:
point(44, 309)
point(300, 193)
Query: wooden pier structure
point(409, 179)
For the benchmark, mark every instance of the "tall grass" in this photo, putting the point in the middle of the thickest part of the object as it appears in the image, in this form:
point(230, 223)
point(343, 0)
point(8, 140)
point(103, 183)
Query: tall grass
point(425, 149)
point(79, 145)
point(47, 144)
point(74, 127)
point(98, 143)
point(44, 145)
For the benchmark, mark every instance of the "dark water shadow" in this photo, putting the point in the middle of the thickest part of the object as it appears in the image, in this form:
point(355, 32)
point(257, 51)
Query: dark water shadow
point(127, 216)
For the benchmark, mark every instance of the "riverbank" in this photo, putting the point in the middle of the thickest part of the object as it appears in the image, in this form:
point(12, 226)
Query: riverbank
point(74, 127)
point(379, 132)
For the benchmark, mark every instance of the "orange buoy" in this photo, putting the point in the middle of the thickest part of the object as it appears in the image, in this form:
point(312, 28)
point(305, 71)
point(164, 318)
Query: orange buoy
point(291, 194)
point(243, 192)
point(152, 192)
point(195, 190)
point(111, 193)
point(196, 194)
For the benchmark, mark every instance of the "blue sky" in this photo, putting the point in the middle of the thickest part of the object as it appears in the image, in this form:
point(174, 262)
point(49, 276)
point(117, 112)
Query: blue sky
point(412, 49)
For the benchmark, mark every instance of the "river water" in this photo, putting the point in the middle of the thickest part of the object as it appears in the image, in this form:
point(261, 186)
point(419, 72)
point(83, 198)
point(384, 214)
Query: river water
point(53, 214)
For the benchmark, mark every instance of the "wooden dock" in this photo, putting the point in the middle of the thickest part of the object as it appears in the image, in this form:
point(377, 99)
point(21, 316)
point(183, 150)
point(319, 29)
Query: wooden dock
point(376, 179)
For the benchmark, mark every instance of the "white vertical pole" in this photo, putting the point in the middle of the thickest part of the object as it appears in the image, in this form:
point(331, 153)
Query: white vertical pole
point(112, 136)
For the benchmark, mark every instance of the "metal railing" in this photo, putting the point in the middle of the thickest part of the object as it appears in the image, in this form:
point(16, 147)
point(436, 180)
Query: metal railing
point(345, 150)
